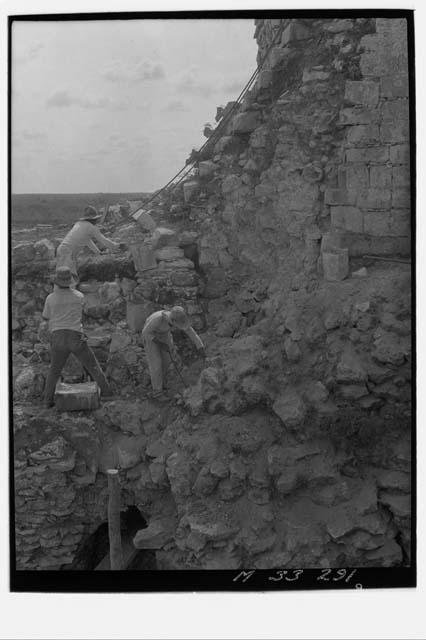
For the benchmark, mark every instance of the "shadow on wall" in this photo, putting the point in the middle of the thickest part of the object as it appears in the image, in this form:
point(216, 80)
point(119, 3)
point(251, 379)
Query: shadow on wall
point(96, 546)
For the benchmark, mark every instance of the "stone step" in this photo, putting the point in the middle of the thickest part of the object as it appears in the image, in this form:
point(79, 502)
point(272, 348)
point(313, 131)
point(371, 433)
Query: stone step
point(83, 396)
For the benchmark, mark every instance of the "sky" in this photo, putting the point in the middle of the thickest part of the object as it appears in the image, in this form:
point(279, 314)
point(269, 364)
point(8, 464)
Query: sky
point(117, 105)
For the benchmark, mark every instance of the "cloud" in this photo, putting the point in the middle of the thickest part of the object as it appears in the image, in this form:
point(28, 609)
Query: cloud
point(63, 99)
point(190, 84)
point(176, 105)
point(142, 71)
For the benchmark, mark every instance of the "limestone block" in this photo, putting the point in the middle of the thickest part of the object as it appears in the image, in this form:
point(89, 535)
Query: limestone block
point(264, 80)
point(348, 218)
point(277, 55)
point(169, 253)
point(163, 237)
point(363, 92)
point(143, 257)
point(293, 32)
point(353, 177)
point(358, 115)
point(290, 408)
point(363, 134)
point(395, 111)
point(190, 190)
point(372, 198)
point(206, 168)
point(178, 263)
point(394, 86)
point(401, 198)
point(395, 132)
point(400, 154)
point(340, 196)
point(350, 367)
point(369, 154)
point(223, 144)
point(381, 177)
point(77, 397)
point(400, 222)
point(336, 264)
point(245, 122)
point(401, 176)
point(144, 220)
point(314, 75)
point(377, 223)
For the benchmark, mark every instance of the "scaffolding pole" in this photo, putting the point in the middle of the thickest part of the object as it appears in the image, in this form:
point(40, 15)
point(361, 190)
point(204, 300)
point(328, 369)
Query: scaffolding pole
point(114, 528)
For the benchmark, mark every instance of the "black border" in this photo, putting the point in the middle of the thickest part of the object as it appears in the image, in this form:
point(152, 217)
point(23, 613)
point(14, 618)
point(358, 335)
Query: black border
point(239, 580)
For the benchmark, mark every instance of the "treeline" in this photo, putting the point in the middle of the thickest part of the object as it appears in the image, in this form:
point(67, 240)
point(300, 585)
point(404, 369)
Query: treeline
point(51, 208)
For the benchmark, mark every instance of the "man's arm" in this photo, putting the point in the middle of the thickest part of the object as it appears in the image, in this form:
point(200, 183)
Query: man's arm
point(43, 330)
point(105, 242)
point(195, 338)
point(93, 247)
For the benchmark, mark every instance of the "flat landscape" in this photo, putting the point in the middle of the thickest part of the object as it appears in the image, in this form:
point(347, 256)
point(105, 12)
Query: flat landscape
point(30, 209)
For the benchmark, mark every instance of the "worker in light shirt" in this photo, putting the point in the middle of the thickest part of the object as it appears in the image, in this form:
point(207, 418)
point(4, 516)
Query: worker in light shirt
point(83, 234)
point(159, 347)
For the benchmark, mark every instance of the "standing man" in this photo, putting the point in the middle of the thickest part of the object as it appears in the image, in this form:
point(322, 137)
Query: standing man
point(83, 234)
point(159, 342)
point(62, 315)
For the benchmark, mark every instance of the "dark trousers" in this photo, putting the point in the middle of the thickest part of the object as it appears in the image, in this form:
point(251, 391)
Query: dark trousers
point(62, 343)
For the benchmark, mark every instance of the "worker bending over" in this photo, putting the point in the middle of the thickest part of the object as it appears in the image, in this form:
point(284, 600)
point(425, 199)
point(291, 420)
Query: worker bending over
point(83, 234)
point(159, 345)
point(62, 319)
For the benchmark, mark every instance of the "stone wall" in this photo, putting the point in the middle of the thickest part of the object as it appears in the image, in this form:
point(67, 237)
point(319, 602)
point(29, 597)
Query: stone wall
point(290, 446)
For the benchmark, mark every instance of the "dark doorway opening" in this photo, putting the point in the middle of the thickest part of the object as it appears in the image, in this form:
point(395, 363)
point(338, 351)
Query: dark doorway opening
point(95, 547)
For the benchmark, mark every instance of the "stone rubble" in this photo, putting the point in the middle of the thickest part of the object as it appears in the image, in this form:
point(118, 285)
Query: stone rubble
point(290, 444)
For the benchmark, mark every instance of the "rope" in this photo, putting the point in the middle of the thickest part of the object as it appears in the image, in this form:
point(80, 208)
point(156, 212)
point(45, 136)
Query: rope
point(215, 135)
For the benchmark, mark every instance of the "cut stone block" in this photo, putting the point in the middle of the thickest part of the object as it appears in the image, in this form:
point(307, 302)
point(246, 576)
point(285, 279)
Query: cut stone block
point(400, 154)
point(264, 80)
point(77, 397)
point(348, 218)
point(363, 134)
point(381, 177)
point(163, 237)
point(144, 220)
point(143, 257)
point(315, 75)
point(294, 31)
point(245, 122)
point(336, 264)
point(363, 92)
point(169, 253)
point(394, 86)
point(369, 154)
point(394, 132)
point(190, 189)
point(206, 168)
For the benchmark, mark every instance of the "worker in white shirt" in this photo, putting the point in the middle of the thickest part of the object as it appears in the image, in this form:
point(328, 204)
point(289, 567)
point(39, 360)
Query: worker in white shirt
point(83, 234)
point(158, 341)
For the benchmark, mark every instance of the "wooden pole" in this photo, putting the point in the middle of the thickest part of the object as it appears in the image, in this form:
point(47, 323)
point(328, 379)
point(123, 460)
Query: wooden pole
point(114, 530)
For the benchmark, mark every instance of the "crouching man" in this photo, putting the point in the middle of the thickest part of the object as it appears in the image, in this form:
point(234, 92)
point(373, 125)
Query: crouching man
point(159, 345)
point(62, 319)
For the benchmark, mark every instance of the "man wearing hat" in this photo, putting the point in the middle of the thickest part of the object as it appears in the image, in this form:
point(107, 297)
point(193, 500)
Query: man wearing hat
point(159, 342)
point(83, 234)
point(63, 310)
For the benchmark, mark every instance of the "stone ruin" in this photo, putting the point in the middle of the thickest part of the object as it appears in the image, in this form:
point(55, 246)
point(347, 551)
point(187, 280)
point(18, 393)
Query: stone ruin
point(290, 446)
